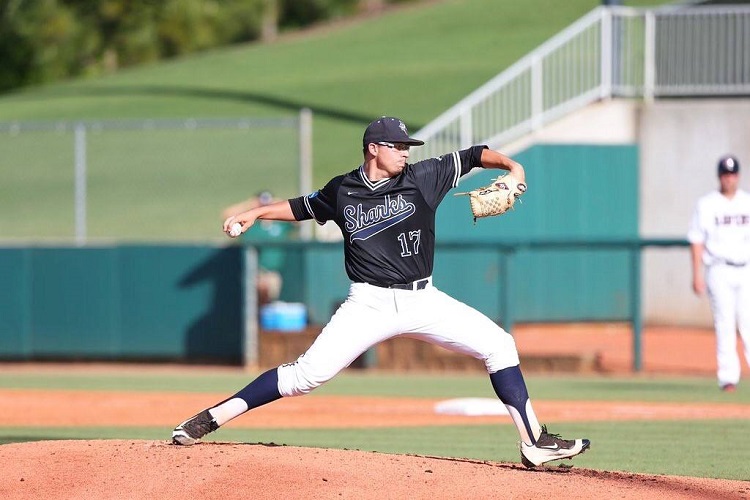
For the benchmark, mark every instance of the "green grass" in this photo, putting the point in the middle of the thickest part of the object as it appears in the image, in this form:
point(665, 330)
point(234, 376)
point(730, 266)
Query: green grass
point(413, 62)
point(352, 383)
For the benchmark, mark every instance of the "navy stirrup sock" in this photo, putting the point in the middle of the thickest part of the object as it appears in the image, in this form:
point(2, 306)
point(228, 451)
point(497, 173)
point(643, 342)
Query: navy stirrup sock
point(511, 389)
point(262, 390)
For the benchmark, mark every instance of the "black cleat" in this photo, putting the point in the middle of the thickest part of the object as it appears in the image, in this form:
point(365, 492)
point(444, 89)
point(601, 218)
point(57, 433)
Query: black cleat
point(194, 428)
point(551, 447)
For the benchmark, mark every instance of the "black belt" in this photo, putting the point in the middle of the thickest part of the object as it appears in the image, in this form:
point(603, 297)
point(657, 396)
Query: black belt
point(414, 285)
point(733, 264)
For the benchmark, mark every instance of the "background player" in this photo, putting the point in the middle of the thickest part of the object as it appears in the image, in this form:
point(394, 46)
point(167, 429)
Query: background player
point(719, 238)
point(385, 209)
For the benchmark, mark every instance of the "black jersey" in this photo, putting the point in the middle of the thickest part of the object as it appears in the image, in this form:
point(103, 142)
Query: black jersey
point(388, 225)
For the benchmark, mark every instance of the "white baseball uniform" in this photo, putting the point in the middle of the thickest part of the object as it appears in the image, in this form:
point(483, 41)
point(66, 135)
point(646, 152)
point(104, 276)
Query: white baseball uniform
point(722, 225)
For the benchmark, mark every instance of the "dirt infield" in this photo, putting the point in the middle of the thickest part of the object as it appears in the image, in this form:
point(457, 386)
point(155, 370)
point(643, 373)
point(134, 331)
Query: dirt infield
point(664, 349)
point(157, 470)
point(39, 408)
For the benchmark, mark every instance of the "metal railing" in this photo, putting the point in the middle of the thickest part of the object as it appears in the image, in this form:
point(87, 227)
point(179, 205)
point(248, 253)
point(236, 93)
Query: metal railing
point(610, 52)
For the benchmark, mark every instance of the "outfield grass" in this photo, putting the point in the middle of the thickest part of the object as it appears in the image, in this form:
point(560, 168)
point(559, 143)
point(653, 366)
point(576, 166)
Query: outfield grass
point(413, 62)
point(636, 446)
point(352, 383)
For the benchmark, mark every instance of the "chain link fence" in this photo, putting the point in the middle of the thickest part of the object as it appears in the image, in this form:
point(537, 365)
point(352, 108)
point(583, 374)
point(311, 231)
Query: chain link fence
point(143, 180)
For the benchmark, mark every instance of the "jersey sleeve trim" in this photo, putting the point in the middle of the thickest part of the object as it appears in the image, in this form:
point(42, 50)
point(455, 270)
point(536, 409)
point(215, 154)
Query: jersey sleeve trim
point(456, 168)
point(309, 209)
point(301, 208)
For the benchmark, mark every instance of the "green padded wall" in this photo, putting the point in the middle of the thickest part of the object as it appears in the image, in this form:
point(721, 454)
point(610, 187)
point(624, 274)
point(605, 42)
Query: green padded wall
point(122, 302)
point(74, 302)
point(576, 193)
point(15, 303)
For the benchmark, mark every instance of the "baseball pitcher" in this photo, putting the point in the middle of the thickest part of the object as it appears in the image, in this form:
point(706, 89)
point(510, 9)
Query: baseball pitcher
point(385, 209)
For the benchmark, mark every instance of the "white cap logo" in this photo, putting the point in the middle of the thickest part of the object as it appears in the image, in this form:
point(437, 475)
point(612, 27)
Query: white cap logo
point(402, 127)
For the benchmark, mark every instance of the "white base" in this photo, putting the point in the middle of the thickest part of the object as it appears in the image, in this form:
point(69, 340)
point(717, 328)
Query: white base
point(473, 407)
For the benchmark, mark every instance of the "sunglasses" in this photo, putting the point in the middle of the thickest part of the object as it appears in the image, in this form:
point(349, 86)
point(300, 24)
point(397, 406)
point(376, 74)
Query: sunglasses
point(399, 146)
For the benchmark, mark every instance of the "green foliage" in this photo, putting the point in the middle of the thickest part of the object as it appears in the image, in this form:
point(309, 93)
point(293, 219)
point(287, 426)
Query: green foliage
point(38, 39)
point(48, 40)
point(121, 33)
point(241, 21)
point(300, 13)
point(194, 25)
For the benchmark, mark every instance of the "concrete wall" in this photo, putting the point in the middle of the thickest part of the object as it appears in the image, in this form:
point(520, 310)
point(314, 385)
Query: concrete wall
point(680, 143)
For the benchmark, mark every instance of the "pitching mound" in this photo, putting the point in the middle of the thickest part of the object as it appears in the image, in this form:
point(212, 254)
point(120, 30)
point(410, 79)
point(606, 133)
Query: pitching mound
point(156, 469)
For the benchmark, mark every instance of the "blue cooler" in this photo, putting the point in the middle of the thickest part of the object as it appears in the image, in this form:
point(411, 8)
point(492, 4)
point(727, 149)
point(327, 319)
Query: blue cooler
point(283, 316)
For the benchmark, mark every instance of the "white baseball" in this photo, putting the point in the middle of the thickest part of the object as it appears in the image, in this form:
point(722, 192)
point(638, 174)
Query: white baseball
point(235, 230)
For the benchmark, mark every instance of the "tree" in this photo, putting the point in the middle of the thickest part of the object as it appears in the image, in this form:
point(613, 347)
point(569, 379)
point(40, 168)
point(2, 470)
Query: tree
point(38, 42)
point(270, 24)
point(47, 40)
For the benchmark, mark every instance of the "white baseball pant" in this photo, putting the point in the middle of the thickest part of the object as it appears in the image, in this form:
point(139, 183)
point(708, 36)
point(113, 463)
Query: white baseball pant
point(373, 314)
point(729, 294)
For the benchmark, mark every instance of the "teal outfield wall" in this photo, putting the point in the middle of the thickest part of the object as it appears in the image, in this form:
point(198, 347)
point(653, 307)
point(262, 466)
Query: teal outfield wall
point(574, 192)
point(186, 303)
point(123, 302)
point(569, 252)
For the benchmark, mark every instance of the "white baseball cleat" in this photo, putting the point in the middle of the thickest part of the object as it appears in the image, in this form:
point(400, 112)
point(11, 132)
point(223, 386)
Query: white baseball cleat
point(551, 447)
point(191, 430)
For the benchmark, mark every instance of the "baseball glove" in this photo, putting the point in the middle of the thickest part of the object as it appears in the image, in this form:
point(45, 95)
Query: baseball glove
point(496, 198)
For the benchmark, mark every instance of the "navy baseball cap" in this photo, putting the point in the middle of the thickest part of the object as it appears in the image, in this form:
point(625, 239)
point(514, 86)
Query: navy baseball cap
point(728, 165)
point(388, 129)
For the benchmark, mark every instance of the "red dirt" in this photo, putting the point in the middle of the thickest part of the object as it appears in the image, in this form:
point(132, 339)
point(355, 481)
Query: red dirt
point(40, 408)
point(664, 349)
point(115, 469)
point(157, 470)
